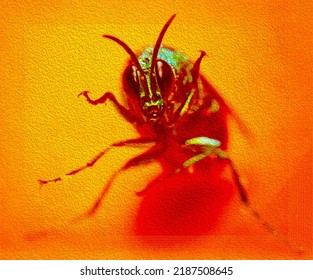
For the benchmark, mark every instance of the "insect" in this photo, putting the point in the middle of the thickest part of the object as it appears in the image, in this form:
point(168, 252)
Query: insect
point(182, 118)
point(175, 109)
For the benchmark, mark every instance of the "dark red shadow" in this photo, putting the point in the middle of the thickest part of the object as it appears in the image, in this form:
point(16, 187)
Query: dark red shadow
point(184, 204)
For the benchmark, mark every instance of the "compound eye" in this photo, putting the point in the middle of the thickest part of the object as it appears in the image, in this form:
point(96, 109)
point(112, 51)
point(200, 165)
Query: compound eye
point(165, 77)
point(131, 80)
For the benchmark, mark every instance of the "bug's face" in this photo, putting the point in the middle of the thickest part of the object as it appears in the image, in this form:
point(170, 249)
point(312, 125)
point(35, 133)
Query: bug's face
point(150, 87)
point(148, 83)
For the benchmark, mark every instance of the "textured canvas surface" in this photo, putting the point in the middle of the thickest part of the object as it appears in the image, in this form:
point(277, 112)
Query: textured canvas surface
point(260, 60)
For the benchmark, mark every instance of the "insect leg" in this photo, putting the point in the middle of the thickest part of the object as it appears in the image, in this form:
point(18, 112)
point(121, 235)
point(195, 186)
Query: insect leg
point(144, 158)
point(129, 142)
point(256, 214)
point(236, 178)
point(126, 113)
point(210, 147)
point(207, 147)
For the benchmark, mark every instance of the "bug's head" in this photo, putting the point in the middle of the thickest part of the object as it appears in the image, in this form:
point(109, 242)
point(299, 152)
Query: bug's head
point(149, 83)
point(150, 88)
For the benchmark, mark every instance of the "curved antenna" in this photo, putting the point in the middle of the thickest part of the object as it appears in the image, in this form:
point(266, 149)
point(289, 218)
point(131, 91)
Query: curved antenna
point(128, 50)
point(159, 41)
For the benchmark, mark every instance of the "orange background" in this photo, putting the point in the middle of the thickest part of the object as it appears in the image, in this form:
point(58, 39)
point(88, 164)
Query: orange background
point(259, 58)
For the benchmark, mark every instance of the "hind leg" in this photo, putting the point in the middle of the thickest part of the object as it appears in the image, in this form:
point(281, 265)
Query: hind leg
point(144, 158)
point(210, 147)
point(207, 147)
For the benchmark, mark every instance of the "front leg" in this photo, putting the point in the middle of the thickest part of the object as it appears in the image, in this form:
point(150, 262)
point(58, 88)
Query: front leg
point(138, 142)
point(126, 113)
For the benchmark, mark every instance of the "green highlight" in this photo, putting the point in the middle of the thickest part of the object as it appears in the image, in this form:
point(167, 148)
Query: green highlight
point(210, 146)
point(195, 159)
point(220, 153)
point(203, 141)
point(186, 105)
point(158, 103)
point(175, 59)
point(214, 106)
point(187, 79)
